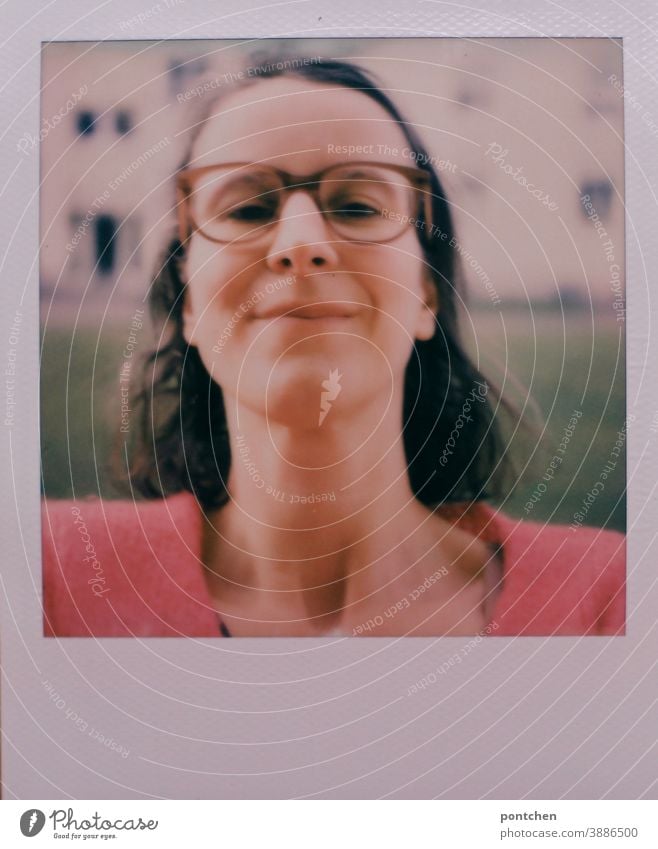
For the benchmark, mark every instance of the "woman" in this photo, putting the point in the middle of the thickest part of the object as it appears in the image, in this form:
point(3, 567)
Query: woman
point(316, 445)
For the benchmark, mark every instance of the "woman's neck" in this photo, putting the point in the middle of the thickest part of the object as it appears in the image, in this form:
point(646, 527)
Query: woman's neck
point(316, 517)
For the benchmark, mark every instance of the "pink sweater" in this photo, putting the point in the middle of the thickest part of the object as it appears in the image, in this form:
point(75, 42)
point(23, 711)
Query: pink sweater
point(124, 569)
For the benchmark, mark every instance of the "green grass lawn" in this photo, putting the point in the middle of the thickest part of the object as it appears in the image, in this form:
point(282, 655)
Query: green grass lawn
point(556, 368)
point(548, 371)
point(80, 409)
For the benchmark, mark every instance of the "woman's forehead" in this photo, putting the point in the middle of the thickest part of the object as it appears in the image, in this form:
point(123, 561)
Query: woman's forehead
point(278, 119)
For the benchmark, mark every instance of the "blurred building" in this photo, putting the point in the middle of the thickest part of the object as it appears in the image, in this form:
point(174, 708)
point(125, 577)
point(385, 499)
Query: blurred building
point(105, 190)
point(492, 111)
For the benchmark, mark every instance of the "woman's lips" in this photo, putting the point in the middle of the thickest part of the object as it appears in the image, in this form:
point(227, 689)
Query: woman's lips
point(311, 324)
point(311, 312)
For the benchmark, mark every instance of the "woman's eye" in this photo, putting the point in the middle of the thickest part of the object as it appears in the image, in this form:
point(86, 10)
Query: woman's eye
point(251, 212)
point(354, 210)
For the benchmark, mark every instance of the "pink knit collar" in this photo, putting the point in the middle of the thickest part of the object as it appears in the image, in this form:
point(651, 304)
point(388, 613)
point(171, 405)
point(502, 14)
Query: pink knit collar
point(478, 519)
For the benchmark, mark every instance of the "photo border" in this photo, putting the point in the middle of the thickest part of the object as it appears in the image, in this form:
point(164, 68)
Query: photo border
point(597, 690)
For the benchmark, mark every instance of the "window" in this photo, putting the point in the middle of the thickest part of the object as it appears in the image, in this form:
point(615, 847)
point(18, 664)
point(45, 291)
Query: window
point(183, 73)
point(85, 123)
point(600, 193)
point(123, 122)
point(106, 236)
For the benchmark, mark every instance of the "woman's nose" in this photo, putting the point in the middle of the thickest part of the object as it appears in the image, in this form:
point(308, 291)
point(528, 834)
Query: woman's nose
point(302, 238)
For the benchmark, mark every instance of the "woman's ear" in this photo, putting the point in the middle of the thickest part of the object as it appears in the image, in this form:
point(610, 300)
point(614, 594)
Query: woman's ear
point(427, 318)
point(189, 321)
point(188, 311)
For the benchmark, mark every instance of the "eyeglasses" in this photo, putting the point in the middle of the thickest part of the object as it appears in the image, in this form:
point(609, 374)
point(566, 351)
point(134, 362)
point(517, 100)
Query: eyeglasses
point(242, 202)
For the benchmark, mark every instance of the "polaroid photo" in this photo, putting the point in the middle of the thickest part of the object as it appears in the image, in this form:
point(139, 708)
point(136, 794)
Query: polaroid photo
point(319, 333)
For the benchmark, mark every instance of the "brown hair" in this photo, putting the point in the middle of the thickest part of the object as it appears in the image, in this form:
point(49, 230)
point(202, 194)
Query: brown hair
point(183, 441)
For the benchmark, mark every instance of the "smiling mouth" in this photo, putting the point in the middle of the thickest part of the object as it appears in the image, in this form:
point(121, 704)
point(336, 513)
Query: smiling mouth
point(313, 312)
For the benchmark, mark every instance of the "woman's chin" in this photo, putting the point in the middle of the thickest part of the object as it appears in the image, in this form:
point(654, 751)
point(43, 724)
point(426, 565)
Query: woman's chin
point(309, 385)
point(301, 394)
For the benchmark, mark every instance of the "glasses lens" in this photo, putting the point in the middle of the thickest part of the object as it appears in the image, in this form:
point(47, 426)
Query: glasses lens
point(367, 203)
point(361, 202)
point(235, 204)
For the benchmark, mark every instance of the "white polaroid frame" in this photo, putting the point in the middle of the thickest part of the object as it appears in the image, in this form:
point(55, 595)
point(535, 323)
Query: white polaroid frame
point(531, 718)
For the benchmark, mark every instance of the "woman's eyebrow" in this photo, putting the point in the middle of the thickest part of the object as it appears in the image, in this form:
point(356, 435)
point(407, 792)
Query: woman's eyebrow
point(366, 172)
point(356, 172)
point(239, 176)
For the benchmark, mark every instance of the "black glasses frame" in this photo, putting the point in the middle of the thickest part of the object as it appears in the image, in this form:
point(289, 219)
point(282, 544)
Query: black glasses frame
point(185, 179)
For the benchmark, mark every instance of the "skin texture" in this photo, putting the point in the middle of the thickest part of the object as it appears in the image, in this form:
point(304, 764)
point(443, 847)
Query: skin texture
point(278, 565)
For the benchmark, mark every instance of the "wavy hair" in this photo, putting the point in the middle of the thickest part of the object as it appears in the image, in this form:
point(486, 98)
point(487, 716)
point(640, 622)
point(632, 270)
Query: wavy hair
point(182, 441)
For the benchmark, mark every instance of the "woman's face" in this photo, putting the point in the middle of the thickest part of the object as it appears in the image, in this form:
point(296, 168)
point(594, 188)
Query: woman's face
point(360, 305)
